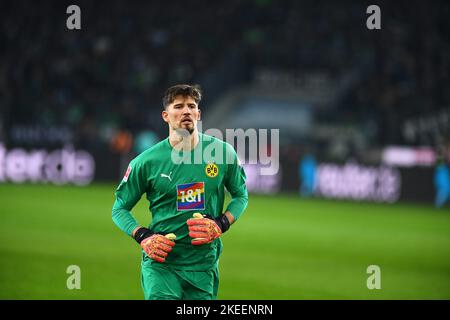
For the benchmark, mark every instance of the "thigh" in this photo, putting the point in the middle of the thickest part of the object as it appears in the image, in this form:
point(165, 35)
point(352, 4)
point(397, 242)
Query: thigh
point(200, 285)
point(160, 283)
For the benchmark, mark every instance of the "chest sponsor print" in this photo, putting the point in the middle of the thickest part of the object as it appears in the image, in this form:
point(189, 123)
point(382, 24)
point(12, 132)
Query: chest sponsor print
point(191, 196)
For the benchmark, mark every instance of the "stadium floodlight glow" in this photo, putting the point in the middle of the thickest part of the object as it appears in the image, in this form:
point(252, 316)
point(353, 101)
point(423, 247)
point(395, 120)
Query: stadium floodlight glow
point(59, 166)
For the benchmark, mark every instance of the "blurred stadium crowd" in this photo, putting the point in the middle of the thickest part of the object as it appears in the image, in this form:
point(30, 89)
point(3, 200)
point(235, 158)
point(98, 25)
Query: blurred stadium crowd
point(109, 77)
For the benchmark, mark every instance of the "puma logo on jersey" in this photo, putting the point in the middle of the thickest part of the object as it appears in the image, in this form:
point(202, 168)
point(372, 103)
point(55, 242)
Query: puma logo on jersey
point(167, 176)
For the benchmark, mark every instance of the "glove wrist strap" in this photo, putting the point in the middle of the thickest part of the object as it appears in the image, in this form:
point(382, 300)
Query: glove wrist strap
point(141, 234)
point(222, 222)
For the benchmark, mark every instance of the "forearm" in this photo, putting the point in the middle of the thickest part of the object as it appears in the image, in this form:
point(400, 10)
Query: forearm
point(237, 206)
point(124, 220)
point(134, 231)
point(230, 217)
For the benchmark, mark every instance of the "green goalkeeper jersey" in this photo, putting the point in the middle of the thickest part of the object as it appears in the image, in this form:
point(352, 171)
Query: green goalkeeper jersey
point(177, 185)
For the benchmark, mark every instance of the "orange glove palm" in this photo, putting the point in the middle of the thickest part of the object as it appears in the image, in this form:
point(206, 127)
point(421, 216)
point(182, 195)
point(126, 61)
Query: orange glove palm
point(157, 247)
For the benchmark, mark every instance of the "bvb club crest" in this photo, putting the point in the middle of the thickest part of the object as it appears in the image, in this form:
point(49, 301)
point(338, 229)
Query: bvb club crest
point(211, 170)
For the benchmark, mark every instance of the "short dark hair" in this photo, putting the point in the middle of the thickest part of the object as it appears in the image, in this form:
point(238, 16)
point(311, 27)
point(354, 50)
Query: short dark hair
point(187, 90)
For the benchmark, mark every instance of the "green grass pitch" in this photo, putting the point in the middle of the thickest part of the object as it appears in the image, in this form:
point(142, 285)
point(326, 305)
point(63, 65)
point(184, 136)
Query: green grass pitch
point(283, 247)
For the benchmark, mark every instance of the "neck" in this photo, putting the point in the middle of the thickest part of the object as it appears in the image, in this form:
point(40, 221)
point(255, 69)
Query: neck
point(180, 142)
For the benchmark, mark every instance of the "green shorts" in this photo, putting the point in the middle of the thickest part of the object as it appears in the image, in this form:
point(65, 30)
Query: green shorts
point(161, 282)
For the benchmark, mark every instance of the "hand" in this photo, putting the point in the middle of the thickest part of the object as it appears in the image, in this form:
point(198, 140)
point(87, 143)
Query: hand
point(157, 247)
point(203, 230)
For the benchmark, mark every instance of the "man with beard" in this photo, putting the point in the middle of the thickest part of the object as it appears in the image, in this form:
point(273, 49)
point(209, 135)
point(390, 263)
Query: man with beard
point(182, 245)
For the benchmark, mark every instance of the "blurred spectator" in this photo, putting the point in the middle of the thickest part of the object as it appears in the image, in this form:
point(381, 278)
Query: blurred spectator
point(442, 183)
point(122, 142)
point(144, 140)
point(307, 172)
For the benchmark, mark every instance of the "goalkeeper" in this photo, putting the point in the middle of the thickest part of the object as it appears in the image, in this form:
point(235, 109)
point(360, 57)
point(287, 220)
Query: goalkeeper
point(186, 198)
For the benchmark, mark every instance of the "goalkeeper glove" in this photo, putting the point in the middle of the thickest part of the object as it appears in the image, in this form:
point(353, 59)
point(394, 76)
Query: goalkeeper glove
point(205, 229)
point(156, 246)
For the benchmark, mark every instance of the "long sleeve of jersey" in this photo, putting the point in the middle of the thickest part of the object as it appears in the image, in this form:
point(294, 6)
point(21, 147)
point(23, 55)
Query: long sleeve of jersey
point(127, 194)
point(235, 184)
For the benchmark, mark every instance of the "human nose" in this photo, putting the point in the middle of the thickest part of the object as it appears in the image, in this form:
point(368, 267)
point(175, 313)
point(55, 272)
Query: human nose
point(186, 110)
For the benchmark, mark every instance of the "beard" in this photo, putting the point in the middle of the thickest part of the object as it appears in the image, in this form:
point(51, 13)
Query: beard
point(188, 127)
point(190, 130)
point(185, 132)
